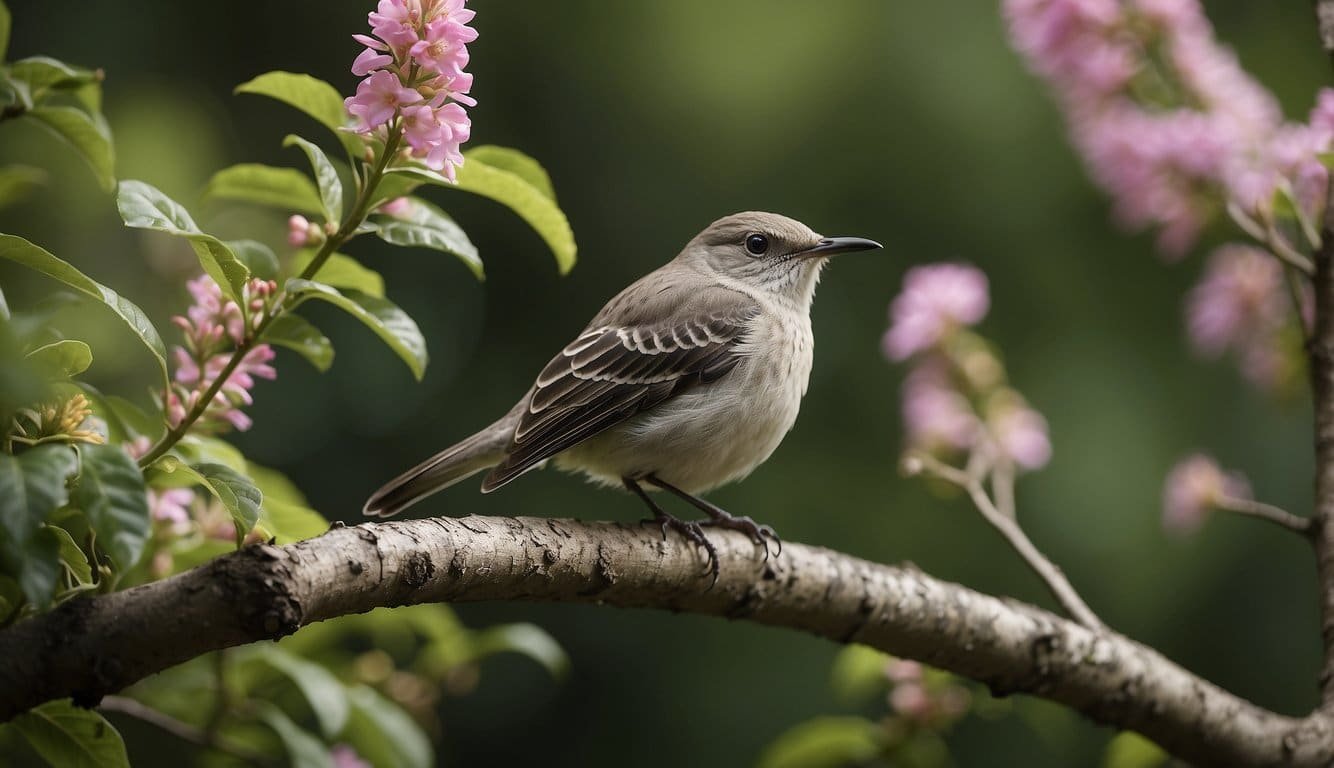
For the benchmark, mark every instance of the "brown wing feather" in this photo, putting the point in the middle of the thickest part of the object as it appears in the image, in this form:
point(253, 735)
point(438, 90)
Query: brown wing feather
point(611, 373)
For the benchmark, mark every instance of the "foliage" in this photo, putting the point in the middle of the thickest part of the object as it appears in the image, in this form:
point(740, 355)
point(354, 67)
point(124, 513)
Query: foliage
point(99, 492)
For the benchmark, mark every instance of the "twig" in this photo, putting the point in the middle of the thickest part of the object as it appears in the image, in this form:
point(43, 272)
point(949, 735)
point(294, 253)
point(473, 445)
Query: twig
point(1262, 511)
point(181, 730)
point(1055, 580)
point(1286, 252)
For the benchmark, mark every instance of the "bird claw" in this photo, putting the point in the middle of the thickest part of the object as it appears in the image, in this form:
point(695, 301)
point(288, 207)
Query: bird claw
point(759, 534)
point(694, 533)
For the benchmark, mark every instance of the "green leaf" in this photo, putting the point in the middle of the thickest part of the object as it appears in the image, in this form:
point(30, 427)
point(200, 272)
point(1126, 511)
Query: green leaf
point(88, 134)
point(72, 557)
point(517, 163)
point(42, 72)
point(305, 750)
point(385, 735)
point(18, 250)
point(527, 639)
point(18, 182)
point(285, 188)
point(237, 493)
point(331, 189)
point(257, 257)
point(35, 565)
point(70, 737)
point(297, 334)
point(427, 226)
point(6, 23)
point(824, 742)
point(388, 322)
point(32, 486)
point(310, 95)
point(323, 692)
point(340, 271)
point(64, 359)
point(289, 522)
point(23, 252)
point(513, 191)
point(1131, 750)
point(859, 673)
point(241, 498)
point(110, 491)
point(143, 206)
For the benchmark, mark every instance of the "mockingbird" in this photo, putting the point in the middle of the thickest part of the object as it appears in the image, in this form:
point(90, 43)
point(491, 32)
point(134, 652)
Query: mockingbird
point(686, 380)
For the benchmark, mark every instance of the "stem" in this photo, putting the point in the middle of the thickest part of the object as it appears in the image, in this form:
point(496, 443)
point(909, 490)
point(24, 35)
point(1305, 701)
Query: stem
point(1293, 281)
point(1286, 252)
point(1055, 580)
point(1263, 511)
point(345, 231)
point(181, 730)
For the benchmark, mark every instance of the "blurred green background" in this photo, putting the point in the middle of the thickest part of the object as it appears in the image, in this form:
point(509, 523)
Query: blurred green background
point(908, 122)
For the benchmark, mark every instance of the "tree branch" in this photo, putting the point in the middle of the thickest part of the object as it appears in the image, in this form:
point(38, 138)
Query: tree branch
point(87, 648)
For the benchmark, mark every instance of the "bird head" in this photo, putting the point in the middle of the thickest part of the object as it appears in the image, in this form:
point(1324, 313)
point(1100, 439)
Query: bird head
point(768, 252)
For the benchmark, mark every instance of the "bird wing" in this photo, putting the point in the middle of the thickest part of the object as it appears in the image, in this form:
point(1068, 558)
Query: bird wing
point(615, 370)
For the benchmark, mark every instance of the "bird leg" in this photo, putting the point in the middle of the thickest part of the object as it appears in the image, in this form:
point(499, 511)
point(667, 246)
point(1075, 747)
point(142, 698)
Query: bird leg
point(692, 531)
point(720, 518)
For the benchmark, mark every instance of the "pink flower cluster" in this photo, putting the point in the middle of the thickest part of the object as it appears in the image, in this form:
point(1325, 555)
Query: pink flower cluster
point(1166, 119)
point(1193, 488)
point(955, 399)
point(415, 81)
point(213, 326)
point(1241, 305)
point(925, 696)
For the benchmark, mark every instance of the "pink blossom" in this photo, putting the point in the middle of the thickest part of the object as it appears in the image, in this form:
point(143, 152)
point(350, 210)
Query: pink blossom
point(396, 21)
point(345, 756)
point(378, 97)
point(369, 60)
point(297, 227)
point(910, 700)
point(935, 414)
point(1240, 294)
point(414, 69)
point(443, 47)
point(1194, 487)
point(1241, 305)
point(1208, 135)
point(1021, 435)
point(903, 671)
point(936, 299)
point(212, 328)
point(398, 208)
point(171, 505)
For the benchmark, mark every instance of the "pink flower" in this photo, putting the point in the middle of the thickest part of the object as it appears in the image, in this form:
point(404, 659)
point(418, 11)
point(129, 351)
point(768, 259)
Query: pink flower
point(396, 21)
point(1241, 305)
point(1021, 435)
point(421, 129)
point(936, 415)
point(297, 229)
point(1207, 133)
point(936, 299)
point(171, 505)
point(213, 327)
point(369, 60)
point(398, 208)
point(1240, 294)
point(1195, 486)
point(378, 97)
point(443, 47)
point(345, 756)
point(910, 700)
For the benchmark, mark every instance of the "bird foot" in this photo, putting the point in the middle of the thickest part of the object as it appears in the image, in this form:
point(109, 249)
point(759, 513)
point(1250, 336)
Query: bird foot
point(760, 534)
point(694, 533)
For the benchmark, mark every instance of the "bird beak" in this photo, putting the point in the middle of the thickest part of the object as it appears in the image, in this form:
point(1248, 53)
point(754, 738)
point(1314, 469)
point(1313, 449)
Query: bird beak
point(832, 245)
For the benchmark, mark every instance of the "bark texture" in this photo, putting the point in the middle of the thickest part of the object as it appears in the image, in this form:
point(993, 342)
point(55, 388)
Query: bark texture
point(92, 647)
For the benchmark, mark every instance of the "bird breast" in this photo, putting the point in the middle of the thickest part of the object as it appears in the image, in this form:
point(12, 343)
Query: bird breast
point(718, 432)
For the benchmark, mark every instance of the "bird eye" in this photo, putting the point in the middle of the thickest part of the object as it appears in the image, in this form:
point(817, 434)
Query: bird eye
point(757, 244)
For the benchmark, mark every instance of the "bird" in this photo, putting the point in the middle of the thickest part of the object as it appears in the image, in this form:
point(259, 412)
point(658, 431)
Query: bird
point(687, 380)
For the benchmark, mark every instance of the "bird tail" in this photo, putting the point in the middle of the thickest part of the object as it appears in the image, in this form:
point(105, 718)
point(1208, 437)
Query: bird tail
point(458, 462)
